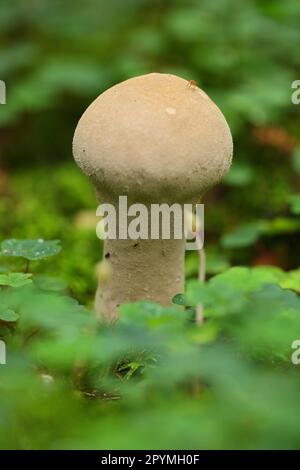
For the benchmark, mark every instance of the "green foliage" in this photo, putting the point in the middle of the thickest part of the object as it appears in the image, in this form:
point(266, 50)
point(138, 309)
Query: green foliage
point(31, 250)
point(296, 160)
point(248, 234)
point(8, 315)
point(71, 382)
point(240, 175)
point(295, 203)
point(15, 279)
point(104, 43)
point(244, 235)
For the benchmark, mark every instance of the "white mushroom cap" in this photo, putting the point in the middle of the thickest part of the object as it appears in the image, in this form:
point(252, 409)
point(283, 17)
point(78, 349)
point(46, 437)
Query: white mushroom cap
point(154, 138)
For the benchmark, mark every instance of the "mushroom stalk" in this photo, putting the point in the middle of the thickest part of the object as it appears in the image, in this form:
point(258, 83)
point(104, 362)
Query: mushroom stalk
point(140, 270)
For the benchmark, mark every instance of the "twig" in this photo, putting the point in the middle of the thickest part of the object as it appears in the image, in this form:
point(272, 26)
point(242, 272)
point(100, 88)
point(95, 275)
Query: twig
point(201, 278)
point(27, 266)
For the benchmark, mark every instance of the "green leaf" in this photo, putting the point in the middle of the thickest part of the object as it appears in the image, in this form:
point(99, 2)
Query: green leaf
point(9, 315)
point(291, 280)
point(152, 315)
point(296, 160)
point(280, 225)
point(15, 279)
point(245, 235)
point(295, 203)
point(30, 249)
point(247, 279)
point(227, 293)
point(178, 299)
point(275, 312)
point(216, 262)
point(239, 175)
point(49, 283)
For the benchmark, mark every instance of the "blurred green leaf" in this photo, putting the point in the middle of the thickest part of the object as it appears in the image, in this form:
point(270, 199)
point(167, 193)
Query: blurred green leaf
point(295, 203)
point(15, 279)
point(30, 249)
point(281, 225)
point(49, 283)
point(291, 280)
point(244, 235)
point(178, 299)
point(8, 315)
point(239, 175)
point(296, 159)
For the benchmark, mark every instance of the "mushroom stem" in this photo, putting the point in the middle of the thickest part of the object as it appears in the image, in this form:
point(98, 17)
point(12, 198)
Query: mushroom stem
point(140, 270)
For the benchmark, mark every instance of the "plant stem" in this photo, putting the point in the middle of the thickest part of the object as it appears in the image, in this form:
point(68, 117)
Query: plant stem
point(201, 277)
point(27, 266)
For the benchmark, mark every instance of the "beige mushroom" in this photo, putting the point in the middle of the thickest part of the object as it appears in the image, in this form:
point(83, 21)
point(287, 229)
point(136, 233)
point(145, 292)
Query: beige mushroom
point(156, 138)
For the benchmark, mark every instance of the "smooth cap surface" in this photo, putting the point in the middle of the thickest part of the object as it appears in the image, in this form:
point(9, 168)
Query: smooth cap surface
point(154, 138)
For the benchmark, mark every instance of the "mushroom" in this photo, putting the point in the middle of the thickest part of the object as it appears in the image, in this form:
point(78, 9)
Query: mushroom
point(156, 138)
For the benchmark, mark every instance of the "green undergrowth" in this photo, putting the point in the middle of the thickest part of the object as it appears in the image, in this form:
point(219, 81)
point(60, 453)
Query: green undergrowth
point(154, 379)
